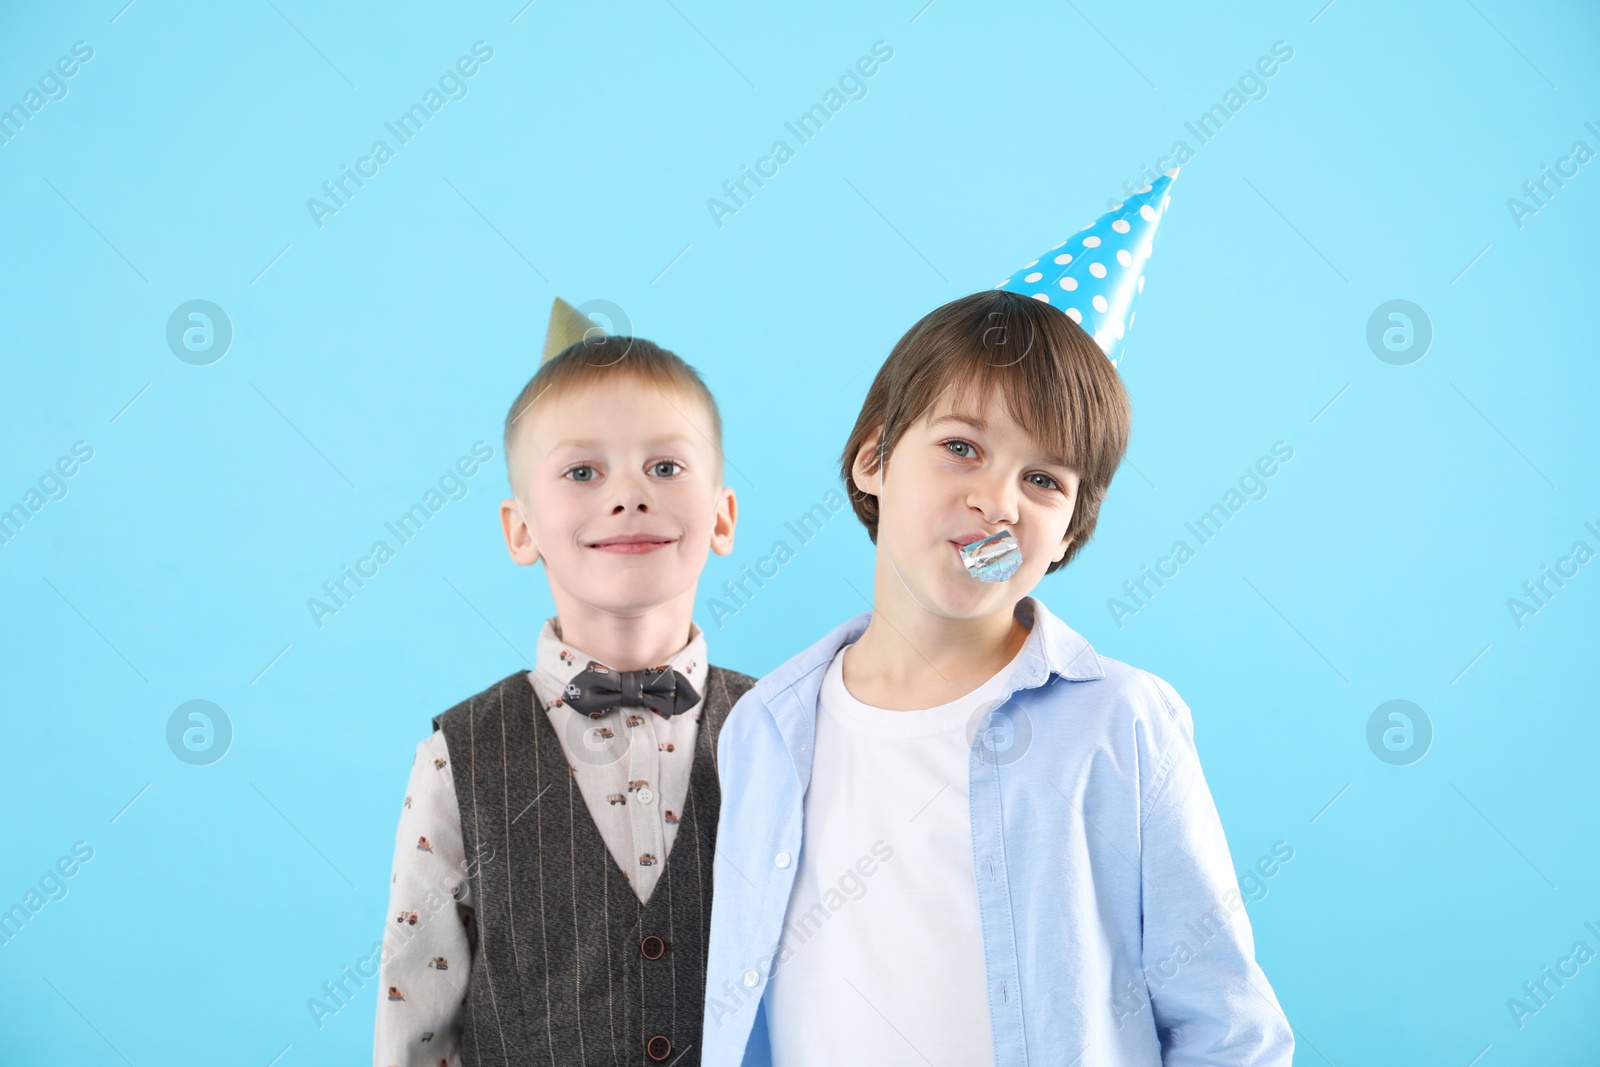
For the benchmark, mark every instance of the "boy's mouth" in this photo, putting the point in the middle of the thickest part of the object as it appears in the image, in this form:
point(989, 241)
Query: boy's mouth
point(632, 544)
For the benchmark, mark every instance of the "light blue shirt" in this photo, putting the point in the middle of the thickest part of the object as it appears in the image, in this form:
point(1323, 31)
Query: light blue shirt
point(1113, 927)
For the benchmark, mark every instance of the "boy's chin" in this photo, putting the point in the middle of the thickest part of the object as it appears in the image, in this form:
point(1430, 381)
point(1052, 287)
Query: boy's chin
point(987, 598)
point(968, 598)
point(955, 594)
point(626, 593)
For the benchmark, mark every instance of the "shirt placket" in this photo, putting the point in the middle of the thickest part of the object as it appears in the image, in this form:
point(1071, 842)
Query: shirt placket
point(644, 766)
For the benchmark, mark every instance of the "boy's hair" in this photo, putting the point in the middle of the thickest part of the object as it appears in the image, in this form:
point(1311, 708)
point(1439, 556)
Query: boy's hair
point(1055, 380)
point(601, 359)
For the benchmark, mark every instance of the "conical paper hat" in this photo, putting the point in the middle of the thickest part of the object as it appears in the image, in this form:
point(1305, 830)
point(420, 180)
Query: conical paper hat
point(1094, 275)
point(568, 326)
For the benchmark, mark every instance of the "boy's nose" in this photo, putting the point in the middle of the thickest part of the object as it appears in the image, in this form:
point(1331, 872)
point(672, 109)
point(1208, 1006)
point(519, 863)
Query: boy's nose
point(997, 504)
point(630, 492)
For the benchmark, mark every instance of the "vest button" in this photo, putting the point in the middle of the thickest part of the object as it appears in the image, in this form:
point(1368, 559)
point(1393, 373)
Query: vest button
point(658, 1048)
point(652, 947)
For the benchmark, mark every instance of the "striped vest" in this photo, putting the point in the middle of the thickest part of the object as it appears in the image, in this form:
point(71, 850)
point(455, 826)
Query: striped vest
point(568, 967)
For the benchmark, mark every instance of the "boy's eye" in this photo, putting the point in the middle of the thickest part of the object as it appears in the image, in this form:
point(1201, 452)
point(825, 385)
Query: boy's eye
point(1053, 484)
point(669, 463)
point(954, 444)
point(579, 470)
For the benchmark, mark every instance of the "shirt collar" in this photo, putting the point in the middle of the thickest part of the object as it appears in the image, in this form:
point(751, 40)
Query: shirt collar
point(1052, 648)
point(557, 662)
point(1061, 649)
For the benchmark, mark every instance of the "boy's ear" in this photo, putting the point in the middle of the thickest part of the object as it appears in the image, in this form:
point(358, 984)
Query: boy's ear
point(722, 522)
point(519, 538)
point(866, 471)
point(1066, 543)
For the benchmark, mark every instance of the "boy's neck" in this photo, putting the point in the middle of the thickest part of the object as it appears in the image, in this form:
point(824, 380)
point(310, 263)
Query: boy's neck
point(909, 659)
point(625, 642)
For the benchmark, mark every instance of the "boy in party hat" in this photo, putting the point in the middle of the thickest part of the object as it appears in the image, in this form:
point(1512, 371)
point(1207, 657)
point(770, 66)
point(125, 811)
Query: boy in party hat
point(952, 832)
point(544, 906)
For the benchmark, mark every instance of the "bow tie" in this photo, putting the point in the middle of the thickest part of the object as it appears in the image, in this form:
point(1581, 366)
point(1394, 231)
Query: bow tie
point(597, 689)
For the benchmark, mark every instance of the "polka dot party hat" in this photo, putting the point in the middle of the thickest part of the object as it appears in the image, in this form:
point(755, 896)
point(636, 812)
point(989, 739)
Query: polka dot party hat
point(1094, 275)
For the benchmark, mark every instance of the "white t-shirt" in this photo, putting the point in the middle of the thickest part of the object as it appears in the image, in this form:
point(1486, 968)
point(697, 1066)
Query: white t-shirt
point(881, 957)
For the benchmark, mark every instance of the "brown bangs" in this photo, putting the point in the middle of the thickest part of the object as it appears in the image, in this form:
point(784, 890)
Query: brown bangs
point(1051, 376)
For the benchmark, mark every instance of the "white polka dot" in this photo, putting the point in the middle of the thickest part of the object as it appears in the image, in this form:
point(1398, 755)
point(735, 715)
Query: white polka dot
point(1131, 316)
point(1117, 206)
point(1097, 269)
point(1002, 285)
point(1069, 283)
point(1091, 242)
point(1141, 283)
point(1043, 297)
point(1035, 276)
point(1035, 263)
point(1147, 213)
point(1063, 244)
point(1123, 257)
point(1064, 258)
point(1121, 331)
point(1075, 315)
point(1103, 339)
point(1121, 226)
point(1100, 304)
point(1166, 202)
point(1146, 189)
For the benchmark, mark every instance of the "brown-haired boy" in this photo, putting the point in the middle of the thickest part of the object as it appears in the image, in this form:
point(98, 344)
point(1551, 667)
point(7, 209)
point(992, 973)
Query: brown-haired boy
point(551, 892)
point(952, 832)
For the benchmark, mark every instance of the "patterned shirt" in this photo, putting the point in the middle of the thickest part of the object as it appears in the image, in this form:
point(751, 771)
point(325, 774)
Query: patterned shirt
point(632, 768)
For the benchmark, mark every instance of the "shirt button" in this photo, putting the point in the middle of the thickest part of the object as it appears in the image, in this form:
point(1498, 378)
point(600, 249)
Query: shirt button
point(751, 978)
point(644, 795)
point(652, 947)
point(658, 1048)
point(782, 859)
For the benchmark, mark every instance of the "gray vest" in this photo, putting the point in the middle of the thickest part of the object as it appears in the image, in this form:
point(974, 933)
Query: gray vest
point(568, 967)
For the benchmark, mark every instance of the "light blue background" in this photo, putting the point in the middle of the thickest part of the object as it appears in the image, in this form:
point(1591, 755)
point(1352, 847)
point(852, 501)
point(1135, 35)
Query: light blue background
point(378, 348)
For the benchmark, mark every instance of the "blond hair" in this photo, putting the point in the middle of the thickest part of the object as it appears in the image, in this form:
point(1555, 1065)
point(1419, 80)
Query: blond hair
point(595, 361)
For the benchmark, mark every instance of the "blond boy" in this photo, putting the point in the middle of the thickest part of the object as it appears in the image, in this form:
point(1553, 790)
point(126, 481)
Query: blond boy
point(550, 902)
